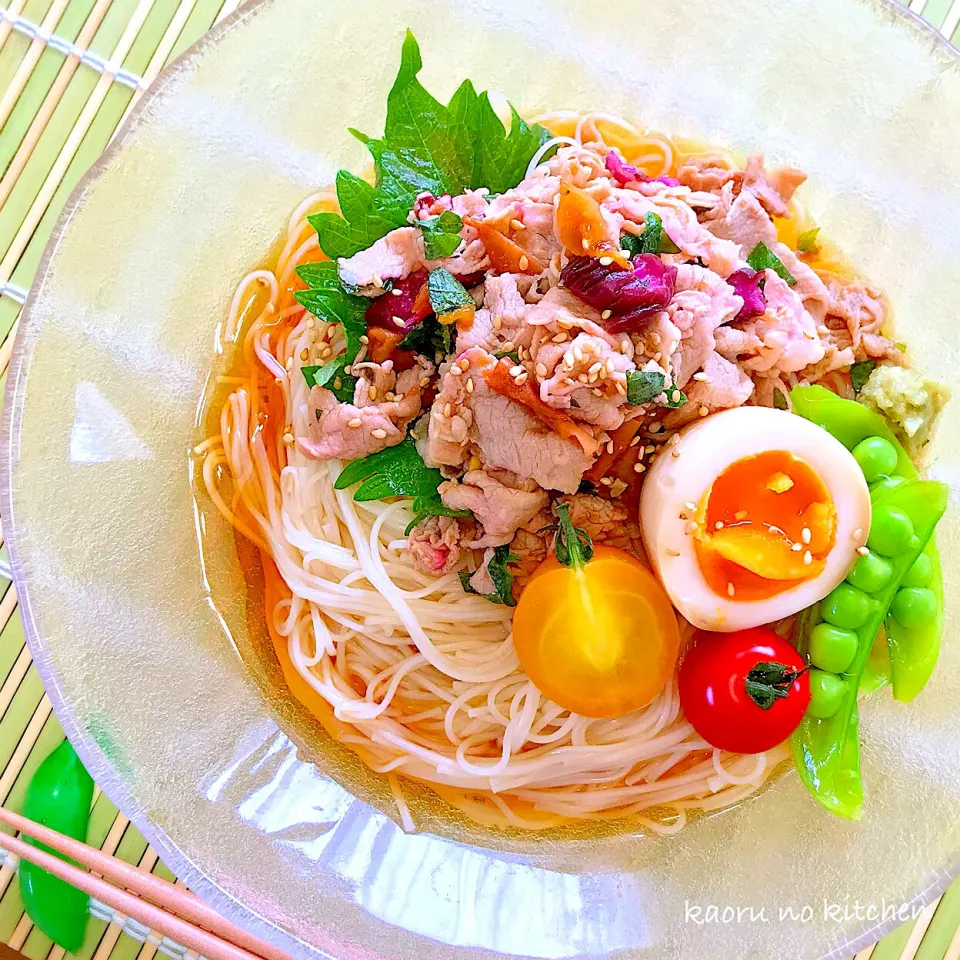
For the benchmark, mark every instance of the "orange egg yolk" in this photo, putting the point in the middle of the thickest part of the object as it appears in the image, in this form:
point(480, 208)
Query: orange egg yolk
point(766, 524)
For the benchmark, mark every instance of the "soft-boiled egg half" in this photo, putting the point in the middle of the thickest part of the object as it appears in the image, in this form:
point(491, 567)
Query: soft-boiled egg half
point(752, 515)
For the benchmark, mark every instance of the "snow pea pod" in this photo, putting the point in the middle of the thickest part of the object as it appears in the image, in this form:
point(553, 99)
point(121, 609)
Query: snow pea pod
point(58, 796)
point(913, 647)
point(826, 746)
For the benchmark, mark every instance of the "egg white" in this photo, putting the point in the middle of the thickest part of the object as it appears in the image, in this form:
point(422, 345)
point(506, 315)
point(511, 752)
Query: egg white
point(705, 450)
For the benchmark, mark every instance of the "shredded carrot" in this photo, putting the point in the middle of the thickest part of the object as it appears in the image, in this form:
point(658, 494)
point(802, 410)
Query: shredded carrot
point(621, 438)
point(498, 378)
point(506, 255)
point(581, 227)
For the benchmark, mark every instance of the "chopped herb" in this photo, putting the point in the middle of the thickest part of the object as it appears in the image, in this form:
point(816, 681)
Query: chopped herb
point(807, 241)
point(631, 243)
point(329, 302)
point(426, 147)
point(513, 355)
point(428, 338)
point(441, 235)
point(643, 386)
point(573, 546)
point(860, 373)
point(447, 293)
point(500, 575)
point(779, 400)
point(398, 471)
point(654, 238)
point(763, 258)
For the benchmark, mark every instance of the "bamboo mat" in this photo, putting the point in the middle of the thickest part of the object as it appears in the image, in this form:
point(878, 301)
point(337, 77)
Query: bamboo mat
point(70, 70)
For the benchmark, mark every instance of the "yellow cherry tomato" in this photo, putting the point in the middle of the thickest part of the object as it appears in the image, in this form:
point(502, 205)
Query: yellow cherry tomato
point(599, 638)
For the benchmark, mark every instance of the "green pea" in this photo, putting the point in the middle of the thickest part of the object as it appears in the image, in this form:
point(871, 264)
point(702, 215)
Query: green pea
point(919, 574)
point(914, 607)
point(846, 606)
point(832, 648)
point(884, 484)
point(826, 693)
point(870, 573)
point(890, 531)
point(877, 457)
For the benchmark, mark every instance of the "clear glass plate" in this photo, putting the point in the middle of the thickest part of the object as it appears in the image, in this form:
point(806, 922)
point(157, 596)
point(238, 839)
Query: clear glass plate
point(228, 777)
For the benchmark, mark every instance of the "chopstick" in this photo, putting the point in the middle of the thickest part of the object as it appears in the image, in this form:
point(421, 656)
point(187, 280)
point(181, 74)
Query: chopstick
point(190, 921)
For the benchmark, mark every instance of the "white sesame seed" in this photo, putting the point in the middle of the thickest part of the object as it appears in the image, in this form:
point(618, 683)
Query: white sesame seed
point(518, 224)
point(564, 324)
point(447, 410)
point(396, 292)
point(289, 364)
point(690, 527)
point(469, 384)
point(377, 280)
point(523, 262)
point(655, 338)
point(311, 323)
point(424, 381)
point(639, 468)
point(582, 378)
point(288, 438)
point(541, 369)
point(808, 558)
point(858, 533)
point(398, 321)
point(718, 525)
point(634, 441)
point(609, 446)
point(597, 393)
point(379, 434)
point(863, 551)
point(568, 360)
point(516, 371)
point(797, 547)
point(522, 379)
point(670, 552)
point(507, 346)
point(805, 535)
point(606, 481)
point(675, 454)
point(730, 590)
point(364, 338)
point(701, 376)
point(610, 365)
point(455, 370)
point(497, 323)
point(606, 261)
point(355, 422)
point(560, 337)
point(703, 411)
point(621, 387)
point(585, 243)
point(675, 396)
point(372, 392)
point(595, 368)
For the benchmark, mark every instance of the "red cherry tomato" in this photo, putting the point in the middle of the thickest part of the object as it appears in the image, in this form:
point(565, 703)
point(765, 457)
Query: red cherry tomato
point(732, 713)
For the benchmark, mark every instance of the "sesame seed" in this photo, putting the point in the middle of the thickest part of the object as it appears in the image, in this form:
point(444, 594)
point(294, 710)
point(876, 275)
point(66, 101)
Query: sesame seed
point(606, 261)
point(597, 393)
point(858, 533)
point(670, 552)
point(497, 323)
point(456, 371)
point(523, 262)
point(689, 504)
point(355, 422)
point(675, 439)
point(634, 441)
point(288, 438)
point(690, 527)
point(863, 551)
point(797, 547)
point(516, 371)
point(595, 368)
point(602, 373)
point(372, 392)
point(391, 396)
point(560, 337)
point(348, 370)
point(564, 324)
point(379, 433)
point(364, 338)
point(518, 224)
point(304, 353)
point(655, 338)
point(675, 396)
point(568, 360)
point(703, 411)
point(311, 323)
point(289, 364)
point(507, 346)
point(424, 381)
point(639, 468)
point(582, 378)
point(447, 410)
point(609, 446)
point(541, 369)
point(578, 354)
point(610, 365)
point(805, 535)
point(398, 321)
point(808, 558)
point(522, 379)
point(606, 481)
point(469, 384)
point(585, 243)
point(658, 356)
point(730, 590)
point(621, 387)
point(655, 427)
point(397, 292)
point(675, 454)
point(701, 376)
point(377, 280)
point(606, 315)
point(617, 488)
point(718, 525)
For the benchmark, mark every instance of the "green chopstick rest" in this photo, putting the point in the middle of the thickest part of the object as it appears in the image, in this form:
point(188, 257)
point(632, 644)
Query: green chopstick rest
point(59, 797)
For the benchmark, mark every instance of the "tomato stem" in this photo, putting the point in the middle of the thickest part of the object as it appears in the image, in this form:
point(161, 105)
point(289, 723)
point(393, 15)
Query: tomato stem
point(769, 681)
point(573, 546)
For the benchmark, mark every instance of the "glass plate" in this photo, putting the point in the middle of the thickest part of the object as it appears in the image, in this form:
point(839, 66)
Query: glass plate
point(229, 778)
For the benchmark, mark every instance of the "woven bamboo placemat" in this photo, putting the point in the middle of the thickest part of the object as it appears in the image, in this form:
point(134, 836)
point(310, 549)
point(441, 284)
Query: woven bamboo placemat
point(70, 70)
